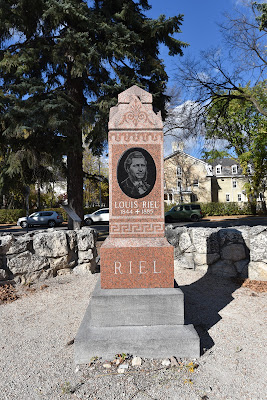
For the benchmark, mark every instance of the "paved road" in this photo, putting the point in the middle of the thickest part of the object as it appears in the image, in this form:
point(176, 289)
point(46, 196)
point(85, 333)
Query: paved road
point(103, 230)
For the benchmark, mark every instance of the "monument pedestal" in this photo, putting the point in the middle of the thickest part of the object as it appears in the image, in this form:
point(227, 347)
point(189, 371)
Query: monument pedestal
point(136, 263)
point(143, 322)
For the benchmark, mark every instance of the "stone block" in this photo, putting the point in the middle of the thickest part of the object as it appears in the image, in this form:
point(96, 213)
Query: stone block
point(158, 341)
point(136, 263)
point(116, 307)
point(85, 238)
point(223, 268)
point(27, 263)
point(257, 271)
point(20, 245)
point(205, 240)
point(185, 261)
point(184, 241)
point(6, 242)
point(50, 244)
point(258, 246)
point(233, 252)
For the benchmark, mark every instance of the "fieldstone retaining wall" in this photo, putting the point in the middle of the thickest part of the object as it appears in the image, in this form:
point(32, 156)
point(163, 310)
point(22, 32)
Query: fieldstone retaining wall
point(231, 252)
point(42, 254)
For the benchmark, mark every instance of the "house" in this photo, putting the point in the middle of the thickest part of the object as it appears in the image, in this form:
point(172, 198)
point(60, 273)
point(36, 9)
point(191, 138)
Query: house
point(186, 179)
point(189, 179)
point(228, 181)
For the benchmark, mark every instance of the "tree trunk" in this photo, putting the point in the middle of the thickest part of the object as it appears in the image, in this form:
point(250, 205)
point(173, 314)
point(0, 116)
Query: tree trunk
point(75, 149)
point(75, 179)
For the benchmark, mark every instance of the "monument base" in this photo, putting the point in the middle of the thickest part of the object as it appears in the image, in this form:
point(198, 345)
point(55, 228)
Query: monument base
point(142, 322)
point(136, 263)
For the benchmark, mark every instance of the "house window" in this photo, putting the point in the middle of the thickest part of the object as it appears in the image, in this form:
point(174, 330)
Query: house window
point(234, 183)
point(195, 182)
point(179, 170)
point(179, 184)
point(239, 197)
point(170, 197)
point(165, 196)
point(227, 197)
point(218, 169)
point(249, 169)
point(234, 169)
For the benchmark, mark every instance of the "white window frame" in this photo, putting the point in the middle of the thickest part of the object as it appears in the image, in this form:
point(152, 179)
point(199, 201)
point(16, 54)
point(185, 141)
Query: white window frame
point(179, 170)
point(234, 169)
point(195, 183)
point(227, 197)
point(234, 183)
point(249, 169)
point(239, 197)
point(179, 184)
point(218, 169)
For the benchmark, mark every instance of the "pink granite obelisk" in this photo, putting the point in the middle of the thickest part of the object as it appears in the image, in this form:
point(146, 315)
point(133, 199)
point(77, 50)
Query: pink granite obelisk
point(136, 254)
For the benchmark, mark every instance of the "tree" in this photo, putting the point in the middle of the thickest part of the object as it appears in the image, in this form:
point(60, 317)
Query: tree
point(236, 71)
point(245, 130)
point(63, 64)
point(96, 189)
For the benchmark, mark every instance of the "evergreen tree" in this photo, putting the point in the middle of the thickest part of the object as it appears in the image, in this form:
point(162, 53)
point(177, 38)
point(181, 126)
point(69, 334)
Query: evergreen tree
point(63, 63)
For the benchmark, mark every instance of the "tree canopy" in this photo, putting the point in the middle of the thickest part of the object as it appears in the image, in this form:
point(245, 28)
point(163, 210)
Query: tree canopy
point(245, 130)
point(62, 65)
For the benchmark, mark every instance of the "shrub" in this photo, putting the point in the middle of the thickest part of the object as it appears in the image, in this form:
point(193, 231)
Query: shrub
point(219, 209)
point(9, 216)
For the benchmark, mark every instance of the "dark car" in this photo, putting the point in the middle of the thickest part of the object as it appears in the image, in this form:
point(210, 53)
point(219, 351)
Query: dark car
point(190, 212)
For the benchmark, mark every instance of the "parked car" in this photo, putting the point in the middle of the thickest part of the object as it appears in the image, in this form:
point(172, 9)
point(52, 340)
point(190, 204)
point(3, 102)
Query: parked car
point(49, 218)
point(191, 212)
point(101, 215)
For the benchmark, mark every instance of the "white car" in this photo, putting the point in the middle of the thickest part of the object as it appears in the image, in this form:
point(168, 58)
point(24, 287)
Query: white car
point(49, 218)
point(101, 216)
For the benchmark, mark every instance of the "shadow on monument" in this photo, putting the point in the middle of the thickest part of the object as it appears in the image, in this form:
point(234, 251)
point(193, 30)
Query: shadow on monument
point(205, 298)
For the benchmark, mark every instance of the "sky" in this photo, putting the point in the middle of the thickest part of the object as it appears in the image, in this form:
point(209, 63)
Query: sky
point(200, 29)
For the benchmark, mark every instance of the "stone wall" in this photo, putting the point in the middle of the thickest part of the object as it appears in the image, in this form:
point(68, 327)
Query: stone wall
point(231, 252)
point(42, 254)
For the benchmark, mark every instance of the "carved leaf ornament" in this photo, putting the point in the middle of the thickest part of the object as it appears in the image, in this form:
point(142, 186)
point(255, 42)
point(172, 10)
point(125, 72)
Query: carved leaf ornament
point(135, 115)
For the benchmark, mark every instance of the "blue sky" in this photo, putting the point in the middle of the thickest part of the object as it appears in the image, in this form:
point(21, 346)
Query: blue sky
point(199, 28)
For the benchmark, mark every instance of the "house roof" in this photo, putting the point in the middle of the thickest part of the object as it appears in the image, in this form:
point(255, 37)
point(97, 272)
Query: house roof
point(224, 162)
point(177, 152)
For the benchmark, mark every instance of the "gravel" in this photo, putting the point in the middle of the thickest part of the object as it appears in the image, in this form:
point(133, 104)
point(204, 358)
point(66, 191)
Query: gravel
point(38, 329)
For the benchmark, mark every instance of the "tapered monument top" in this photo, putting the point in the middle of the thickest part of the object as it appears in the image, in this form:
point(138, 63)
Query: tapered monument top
point(128, 95)
point(134, 111)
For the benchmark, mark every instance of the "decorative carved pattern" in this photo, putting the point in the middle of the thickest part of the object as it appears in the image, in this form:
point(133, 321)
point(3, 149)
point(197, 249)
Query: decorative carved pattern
point(133, 137)
point(140, 227)
point(135, 115)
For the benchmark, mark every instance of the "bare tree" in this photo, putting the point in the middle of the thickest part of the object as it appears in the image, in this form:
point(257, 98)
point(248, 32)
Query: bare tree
point(235, 73)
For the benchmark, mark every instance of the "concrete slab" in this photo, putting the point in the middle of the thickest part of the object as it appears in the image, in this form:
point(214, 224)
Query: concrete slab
point(158, 341)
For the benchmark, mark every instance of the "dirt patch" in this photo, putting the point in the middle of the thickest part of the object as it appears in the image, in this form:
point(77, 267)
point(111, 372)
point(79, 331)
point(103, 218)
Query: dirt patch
point(8, 294)
point(257, 286)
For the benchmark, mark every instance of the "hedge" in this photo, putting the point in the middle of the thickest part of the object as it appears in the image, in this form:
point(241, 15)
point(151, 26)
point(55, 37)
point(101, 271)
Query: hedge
point(10, 216)
point(217, 209)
